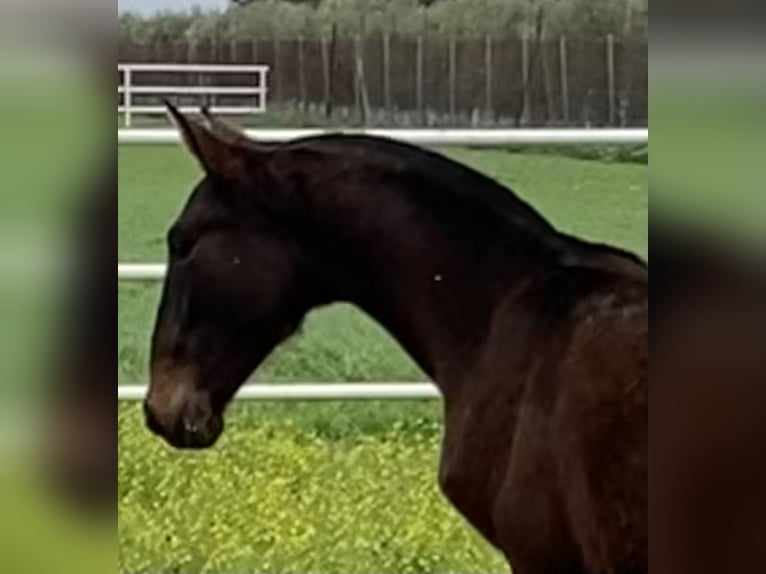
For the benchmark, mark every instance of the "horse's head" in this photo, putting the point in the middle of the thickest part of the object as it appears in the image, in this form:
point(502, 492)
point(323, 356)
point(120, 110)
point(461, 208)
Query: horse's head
point(237, 285)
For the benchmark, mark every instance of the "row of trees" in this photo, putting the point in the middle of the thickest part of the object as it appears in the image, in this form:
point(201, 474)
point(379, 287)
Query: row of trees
point(246, 19)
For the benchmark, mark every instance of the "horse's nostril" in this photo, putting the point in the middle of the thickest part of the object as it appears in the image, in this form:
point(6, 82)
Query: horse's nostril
point(191, 426)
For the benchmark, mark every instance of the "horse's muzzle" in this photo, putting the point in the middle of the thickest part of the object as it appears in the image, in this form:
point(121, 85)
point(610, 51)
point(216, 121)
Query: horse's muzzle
point(193, 426)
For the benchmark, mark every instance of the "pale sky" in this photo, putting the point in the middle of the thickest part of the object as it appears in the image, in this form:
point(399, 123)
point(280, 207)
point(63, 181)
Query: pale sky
point(151, 6)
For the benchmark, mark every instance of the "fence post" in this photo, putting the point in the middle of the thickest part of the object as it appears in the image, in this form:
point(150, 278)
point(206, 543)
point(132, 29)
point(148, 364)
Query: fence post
point(452, 79)
point(524, 116)
point(301, 75)
point(193, 57)
point(277, 70)
point(419, 85)
point(325, 73)
point(360, 85)
point(564, 66)
point(610, 77)
point(488, 61)
point(387, 72)
point(127, 96)
point(254, 51)
point(263, 83)
point(357, 86)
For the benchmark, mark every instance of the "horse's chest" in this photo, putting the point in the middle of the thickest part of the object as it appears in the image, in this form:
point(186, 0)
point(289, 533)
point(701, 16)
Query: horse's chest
point(474, 459)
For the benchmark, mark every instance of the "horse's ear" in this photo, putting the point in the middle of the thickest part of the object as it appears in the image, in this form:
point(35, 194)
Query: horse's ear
point(220, 154)
point(222, 129)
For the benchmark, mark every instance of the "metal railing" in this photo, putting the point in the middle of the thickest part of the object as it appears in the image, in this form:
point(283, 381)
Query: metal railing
point(492, 138)
point(252, 97)
point(314, 392)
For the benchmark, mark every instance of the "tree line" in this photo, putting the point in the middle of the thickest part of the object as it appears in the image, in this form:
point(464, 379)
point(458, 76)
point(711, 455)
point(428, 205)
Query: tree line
point(248, 19)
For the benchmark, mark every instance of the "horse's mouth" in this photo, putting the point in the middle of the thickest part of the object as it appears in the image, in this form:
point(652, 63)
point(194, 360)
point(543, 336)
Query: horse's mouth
point(191, 430)
point(198, 435)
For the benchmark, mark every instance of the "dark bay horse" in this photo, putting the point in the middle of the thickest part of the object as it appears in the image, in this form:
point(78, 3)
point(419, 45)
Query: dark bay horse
point(537, 340)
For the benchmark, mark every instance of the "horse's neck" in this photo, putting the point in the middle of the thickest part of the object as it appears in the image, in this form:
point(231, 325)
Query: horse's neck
point(434, 295)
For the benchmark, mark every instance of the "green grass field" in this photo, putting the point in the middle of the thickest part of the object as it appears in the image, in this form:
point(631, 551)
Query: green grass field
point(318, 487)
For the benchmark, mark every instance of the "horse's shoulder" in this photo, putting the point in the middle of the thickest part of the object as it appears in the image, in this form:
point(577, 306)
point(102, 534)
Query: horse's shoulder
point(616, 299)
point(567, 291)
point(609, 339)
point(599, 316)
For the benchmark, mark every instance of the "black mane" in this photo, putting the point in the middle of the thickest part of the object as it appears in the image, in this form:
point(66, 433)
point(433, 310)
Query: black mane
point(466, 187)
point(462, 183)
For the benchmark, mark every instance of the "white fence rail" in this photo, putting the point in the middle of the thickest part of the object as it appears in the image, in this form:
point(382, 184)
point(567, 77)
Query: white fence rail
point(425, 137)
point(141, 272)
point(130, 88)
point(314, 392)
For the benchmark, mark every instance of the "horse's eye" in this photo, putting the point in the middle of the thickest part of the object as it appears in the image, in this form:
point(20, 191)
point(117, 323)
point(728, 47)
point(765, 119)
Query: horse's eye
point(179, 243)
